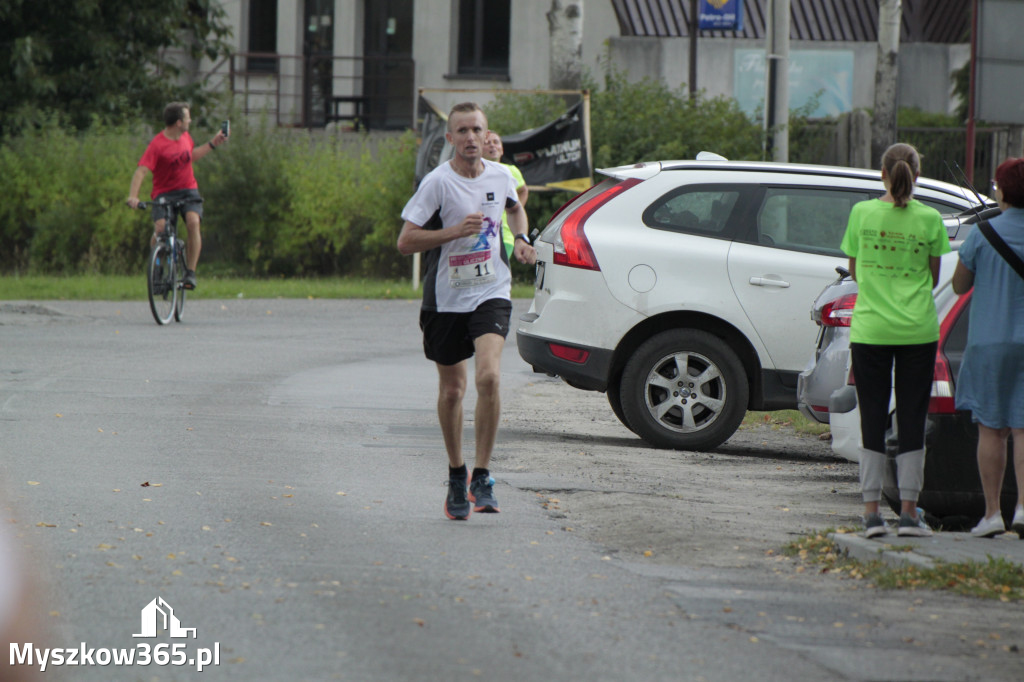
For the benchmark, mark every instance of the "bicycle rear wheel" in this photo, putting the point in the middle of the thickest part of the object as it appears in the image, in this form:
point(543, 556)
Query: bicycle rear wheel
point(179, 286)
point(162, 284)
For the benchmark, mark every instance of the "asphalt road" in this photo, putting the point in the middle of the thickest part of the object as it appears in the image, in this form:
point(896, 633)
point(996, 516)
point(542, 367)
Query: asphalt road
point(273, 471)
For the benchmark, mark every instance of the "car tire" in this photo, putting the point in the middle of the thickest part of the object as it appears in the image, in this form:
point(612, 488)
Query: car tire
point(615, 401)
point(684, 415)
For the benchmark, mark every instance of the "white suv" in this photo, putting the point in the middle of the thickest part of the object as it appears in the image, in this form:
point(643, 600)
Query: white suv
point(681, 288)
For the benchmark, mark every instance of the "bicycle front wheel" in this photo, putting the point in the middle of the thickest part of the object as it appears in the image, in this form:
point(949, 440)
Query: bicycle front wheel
point(179, 285)
point(162, 284)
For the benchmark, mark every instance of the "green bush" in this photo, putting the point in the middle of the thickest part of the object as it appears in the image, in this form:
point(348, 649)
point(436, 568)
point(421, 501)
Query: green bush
point(286, 202)
point(247, 196)
point(277, 202)
point(648, 121)
point(65, 206)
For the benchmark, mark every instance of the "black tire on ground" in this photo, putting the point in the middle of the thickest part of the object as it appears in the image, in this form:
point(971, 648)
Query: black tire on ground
point(615, 401)
point(160, 284)
point(684, 389)
point(179, 303)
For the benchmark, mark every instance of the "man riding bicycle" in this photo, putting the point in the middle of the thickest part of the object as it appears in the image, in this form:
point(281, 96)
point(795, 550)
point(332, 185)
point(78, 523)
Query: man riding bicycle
point(169, 158)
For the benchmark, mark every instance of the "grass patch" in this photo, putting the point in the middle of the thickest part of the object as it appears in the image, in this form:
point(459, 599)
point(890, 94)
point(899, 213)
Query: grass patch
point(995, 579)
point(130, 288)
point(784, 419)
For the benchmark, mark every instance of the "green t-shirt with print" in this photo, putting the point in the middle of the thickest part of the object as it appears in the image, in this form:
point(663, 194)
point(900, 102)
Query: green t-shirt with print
point(506, 231)
point(893, 247)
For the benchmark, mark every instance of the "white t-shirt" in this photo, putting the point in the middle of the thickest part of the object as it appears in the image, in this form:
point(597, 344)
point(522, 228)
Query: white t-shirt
point(463, 273)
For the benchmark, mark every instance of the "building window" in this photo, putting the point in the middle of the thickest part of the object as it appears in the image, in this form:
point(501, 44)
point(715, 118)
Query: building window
point(263, 34)
point(483, 37)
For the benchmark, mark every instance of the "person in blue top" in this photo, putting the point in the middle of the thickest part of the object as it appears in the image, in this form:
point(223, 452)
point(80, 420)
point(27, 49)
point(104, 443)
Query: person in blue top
point(991, 380)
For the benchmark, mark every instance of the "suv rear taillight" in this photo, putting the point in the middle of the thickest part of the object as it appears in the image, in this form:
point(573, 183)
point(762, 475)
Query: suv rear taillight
point(575, 250)
point(839, 312)
point(943, 398)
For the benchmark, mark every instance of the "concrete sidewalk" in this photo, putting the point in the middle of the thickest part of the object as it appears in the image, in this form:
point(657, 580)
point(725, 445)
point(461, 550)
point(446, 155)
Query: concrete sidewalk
point(944, 547)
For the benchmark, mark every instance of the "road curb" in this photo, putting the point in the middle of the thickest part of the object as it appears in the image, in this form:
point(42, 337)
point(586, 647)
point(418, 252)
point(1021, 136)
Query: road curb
point(864, 549)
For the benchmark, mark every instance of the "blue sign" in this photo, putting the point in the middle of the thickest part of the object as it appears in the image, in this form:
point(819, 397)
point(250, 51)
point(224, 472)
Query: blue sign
point(721, 15)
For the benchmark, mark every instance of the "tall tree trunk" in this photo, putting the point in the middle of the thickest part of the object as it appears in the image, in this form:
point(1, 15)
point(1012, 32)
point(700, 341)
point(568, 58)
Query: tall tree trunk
point(883, 125)
point(565, 28)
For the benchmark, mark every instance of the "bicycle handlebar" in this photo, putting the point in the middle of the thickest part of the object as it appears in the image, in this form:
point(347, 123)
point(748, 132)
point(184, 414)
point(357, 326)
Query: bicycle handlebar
point(143, 205)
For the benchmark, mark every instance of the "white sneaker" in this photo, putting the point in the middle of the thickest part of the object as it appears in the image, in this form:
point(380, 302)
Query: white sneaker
point(1018, 522)
point(990, 527)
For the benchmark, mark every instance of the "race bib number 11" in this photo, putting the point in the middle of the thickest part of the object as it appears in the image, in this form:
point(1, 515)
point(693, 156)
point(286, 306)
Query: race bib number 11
point(470, 269)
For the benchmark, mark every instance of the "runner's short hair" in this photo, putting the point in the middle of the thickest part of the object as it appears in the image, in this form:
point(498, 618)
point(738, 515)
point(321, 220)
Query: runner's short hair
point(463, 108)
point(174, 112)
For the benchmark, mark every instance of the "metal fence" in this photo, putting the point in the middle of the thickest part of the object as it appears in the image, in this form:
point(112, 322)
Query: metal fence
point(314, 91)
point(817, 142)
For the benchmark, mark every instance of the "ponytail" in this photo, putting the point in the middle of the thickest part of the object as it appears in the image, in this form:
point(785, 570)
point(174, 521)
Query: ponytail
point(902, 164)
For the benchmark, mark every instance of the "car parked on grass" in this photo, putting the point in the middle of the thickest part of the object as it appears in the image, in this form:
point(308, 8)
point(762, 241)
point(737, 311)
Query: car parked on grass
point(680, 288)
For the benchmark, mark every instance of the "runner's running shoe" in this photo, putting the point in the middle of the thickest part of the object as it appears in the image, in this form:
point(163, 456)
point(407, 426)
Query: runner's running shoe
point(456, 505)
point(481, 492)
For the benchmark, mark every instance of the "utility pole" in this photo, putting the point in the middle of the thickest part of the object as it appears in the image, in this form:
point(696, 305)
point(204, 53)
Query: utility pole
point(883, 125)
point(694, 29)
point(972, 88)
point(776, 108)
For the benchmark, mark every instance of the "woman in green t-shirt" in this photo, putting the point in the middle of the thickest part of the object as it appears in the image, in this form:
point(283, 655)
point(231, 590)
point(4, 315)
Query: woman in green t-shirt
point(894, 244)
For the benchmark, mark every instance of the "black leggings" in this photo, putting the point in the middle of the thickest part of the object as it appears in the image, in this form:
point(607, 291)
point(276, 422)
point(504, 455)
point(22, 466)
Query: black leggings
point(873, 374)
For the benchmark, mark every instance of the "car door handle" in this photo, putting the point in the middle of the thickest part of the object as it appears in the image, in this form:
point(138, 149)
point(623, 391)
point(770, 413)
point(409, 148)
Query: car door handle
point(766, 282)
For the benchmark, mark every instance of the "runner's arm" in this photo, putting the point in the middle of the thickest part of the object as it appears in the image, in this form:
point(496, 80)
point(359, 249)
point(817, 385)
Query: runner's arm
point(523, 250)
point(133, 192)
point(202, 150)
point(524, 193)
point(415, 239)
point(963, 279)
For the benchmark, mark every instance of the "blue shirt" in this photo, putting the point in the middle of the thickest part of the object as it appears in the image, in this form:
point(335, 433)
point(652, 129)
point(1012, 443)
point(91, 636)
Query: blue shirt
point(997, 304)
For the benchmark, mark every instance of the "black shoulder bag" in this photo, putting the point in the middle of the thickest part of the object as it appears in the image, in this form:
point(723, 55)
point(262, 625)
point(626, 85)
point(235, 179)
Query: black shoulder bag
point(1004, 250)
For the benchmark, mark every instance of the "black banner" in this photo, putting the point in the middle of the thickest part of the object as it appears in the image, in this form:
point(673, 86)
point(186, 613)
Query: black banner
point(554, 155)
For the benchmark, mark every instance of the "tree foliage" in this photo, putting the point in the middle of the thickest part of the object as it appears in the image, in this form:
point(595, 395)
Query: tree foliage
point(647, 121)
point(87, 60)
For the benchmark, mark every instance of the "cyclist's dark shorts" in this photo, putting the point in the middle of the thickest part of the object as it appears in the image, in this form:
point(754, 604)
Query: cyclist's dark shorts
point(159, 211)
point(448, 337)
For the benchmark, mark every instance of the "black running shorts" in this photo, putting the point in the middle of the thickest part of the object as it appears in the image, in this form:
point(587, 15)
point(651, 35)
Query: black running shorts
point(448, 337)
point(159, 212)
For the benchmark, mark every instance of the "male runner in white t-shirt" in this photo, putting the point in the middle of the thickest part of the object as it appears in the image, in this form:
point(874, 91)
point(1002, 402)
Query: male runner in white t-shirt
point(455, 219)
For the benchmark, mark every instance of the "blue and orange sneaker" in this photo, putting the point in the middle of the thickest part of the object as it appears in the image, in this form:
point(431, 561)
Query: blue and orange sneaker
point(481, 492)
point(456, 506)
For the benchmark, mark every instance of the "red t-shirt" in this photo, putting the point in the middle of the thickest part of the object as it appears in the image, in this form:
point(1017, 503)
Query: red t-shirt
point(171, 163)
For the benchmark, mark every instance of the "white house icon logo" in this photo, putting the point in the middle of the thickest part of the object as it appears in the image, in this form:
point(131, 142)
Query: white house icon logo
point(159, 608)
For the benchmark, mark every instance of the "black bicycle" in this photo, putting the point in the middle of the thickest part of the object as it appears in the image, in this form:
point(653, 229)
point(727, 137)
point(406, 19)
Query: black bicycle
point(166, 271)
